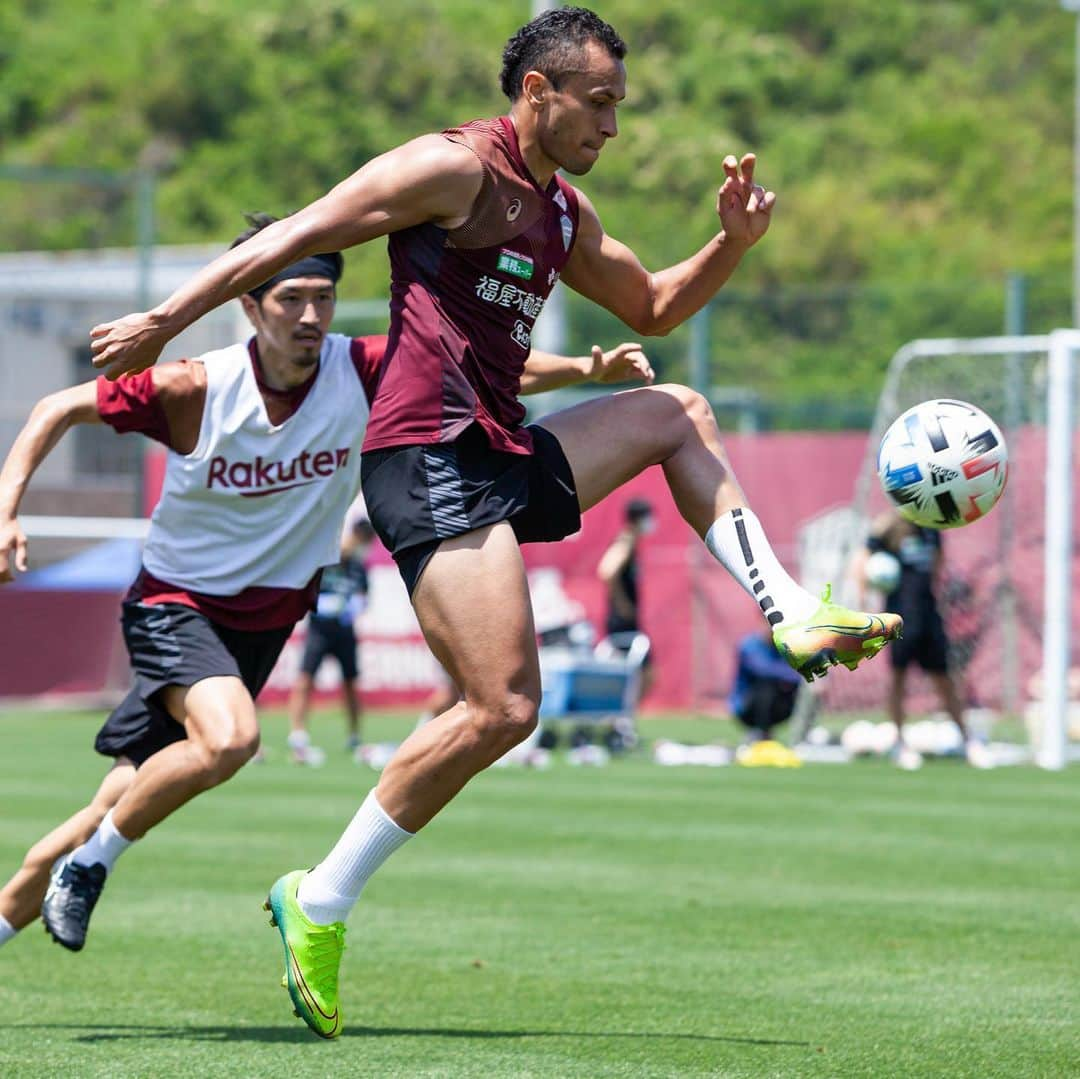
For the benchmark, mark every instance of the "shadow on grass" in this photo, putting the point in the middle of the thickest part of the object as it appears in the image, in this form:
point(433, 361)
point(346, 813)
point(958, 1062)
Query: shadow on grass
point(108, 1032)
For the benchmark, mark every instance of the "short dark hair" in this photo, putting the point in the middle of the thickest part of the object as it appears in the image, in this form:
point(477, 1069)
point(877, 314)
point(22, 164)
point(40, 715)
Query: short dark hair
point(552, 44)
point(256, 223)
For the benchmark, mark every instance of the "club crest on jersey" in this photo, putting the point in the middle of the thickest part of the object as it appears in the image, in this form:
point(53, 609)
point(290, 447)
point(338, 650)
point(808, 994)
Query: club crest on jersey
point(254, 479)
point(513, 262)
point(513, 211)
point(567, 227)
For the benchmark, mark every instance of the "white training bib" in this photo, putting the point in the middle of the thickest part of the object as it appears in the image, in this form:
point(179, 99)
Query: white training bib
point(254, 504)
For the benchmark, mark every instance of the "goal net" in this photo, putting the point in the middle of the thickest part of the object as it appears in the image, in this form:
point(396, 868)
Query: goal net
point(1005, 589)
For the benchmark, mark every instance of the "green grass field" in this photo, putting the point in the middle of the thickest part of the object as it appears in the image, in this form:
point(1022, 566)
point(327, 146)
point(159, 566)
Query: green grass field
point(623, 921)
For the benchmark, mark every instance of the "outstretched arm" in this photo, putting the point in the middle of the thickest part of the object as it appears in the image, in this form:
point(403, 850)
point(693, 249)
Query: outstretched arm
point(610, 274)
point(428, 179)
point(615, 558)
point(624, 363)
point(48, 421)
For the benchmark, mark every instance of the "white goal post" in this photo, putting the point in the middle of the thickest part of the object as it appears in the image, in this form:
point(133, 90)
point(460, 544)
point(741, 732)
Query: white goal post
point(91, 528)
point(1028, 384)
point(1061, 347)
point(1057, 616)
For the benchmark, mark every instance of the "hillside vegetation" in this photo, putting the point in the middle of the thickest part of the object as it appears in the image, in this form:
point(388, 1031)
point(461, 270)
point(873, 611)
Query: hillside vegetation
point(920, 150)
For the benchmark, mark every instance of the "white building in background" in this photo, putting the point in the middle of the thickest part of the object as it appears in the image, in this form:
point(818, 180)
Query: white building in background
point(48, 302)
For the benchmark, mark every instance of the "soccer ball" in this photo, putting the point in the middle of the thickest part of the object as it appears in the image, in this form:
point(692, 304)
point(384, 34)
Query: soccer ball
point(883, 571)
point(944, 464)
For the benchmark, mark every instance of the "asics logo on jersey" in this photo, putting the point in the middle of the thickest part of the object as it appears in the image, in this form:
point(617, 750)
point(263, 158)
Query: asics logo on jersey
point(513, 211)
point(264, 477)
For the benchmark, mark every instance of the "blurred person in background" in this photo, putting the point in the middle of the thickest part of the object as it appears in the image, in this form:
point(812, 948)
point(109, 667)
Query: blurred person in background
point(263, 443)
point(620, 570)
point(331, 631)
point(911, 589)
point(765, 688)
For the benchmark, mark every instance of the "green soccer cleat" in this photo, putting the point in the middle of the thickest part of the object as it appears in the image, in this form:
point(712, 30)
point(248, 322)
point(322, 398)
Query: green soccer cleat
point(312, 957)
point(834, 634)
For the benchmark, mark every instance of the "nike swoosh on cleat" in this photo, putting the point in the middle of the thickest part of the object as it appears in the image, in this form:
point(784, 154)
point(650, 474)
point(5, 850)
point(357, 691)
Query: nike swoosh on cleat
point(305, 991)
point(855, 631)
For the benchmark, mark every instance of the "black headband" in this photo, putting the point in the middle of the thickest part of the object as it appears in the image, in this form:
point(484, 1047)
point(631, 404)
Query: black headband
point(312, 266)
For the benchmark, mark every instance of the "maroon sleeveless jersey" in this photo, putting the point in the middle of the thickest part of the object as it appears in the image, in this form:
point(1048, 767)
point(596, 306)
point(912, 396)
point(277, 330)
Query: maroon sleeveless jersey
point(463, 303)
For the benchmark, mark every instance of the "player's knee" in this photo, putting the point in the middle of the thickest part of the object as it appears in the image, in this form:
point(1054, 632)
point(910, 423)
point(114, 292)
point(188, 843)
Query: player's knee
point(226, 749)
point(238, 751)
point(522, 715)
point(508, 722)
point(695, 406)
point(679, 412)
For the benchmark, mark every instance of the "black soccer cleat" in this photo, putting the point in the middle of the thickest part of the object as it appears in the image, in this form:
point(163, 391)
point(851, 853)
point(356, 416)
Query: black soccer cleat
point(73, 891)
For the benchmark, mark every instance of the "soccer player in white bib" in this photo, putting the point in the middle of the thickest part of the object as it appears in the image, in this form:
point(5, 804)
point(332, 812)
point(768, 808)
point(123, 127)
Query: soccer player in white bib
point(264, 460)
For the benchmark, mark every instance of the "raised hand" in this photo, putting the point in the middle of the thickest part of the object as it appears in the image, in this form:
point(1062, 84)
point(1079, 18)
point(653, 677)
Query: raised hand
point(624, 363)
point(12, 550)
point(127, 345)
point(744, 207)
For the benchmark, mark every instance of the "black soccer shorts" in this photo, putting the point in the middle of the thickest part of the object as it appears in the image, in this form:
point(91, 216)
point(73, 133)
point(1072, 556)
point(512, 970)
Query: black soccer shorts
point(170, 644)
point(418, 496)
point(329, 637)
point(924, 641)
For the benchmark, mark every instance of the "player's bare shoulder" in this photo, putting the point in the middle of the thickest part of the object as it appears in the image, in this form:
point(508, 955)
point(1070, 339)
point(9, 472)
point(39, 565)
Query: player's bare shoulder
point(442, 178)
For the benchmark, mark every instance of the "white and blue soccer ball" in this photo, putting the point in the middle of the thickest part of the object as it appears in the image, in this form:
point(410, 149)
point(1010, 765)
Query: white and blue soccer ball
point(943, 463)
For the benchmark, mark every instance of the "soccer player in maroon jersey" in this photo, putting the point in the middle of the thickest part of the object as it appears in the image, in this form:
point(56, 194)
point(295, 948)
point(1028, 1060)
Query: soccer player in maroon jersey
point(480, 227)
point(202, 657)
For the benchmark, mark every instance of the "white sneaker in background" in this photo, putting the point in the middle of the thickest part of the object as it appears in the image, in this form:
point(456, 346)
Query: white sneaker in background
point(903, 756)
point(979, 754)
point(309, 757)
point(301, 751)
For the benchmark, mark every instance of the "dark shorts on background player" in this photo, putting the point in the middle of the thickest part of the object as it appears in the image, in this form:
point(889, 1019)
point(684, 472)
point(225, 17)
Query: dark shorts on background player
point(622, 640)
point(329, 637)
point(418, 496)
point(924, 642)
point(171, 644)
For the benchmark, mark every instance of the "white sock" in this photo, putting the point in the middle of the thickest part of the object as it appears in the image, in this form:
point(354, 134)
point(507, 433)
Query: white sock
point(298, 740)
point(104, 846)
point(331, 889)
point(7, 930)
point(737, 541)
